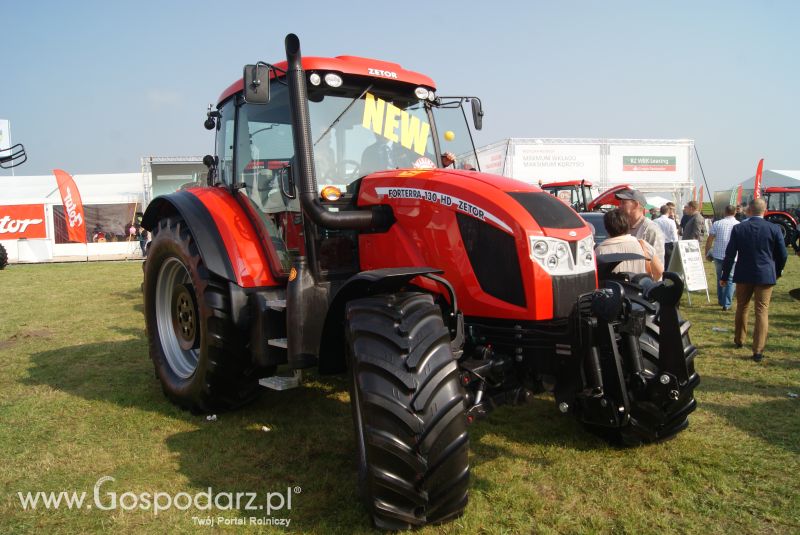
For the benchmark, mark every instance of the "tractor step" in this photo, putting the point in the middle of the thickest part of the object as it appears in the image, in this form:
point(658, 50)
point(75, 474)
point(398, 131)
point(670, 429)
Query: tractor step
point(277, 342)
point(282, 382)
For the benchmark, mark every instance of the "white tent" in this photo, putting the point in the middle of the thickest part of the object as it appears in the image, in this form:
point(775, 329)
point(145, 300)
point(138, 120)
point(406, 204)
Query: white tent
point(108, 199)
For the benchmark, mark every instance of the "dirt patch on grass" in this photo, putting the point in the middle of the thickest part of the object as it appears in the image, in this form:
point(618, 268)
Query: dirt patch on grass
point(25, 334)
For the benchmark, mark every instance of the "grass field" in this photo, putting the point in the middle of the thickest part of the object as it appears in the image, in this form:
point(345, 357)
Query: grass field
point(79, 401)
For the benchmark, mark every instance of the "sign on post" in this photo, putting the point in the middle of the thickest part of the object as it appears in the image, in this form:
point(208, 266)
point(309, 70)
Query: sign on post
point(688, 261)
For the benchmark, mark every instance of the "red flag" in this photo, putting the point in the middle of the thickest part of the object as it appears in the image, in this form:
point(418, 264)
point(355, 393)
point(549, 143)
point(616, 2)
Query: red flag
point(694, 193)
point(739, 195)
point(73, 207)
point(759, 172)
point(700, 197)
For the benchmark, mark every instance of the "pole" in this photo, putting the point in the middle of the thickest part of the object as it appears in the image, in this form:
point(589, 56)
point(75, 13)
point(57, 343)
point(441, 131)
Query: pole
point(710, 196)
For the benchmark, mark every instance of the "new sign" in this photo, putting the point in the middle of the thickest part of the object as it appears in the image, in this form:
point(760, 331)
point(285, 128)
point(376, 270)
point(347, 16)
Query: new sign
point(22, 221)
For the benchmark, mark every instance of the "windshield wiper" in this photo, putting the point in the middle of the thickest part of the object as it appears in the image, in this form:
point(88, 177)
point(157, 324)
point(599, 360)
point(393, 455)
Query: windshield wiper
point(325, 133)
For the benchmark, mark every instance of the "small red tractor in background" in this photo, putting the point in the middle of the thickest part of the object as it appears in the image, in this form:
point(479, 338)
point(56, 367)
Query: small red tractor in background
point(578, 194)
point(783, 209)
point(330, 236)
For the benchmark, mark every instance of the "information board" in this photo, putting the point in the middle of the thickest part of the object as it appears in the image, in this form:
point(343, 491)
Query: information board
point(687, 259)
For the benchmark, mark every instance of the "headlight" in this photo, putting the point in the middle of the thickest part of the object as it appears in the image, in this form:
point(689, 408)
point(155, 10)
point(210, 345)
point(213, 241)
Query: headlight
point(421, 93)
point(540, 248)
point(314, 79)
point(557, 258)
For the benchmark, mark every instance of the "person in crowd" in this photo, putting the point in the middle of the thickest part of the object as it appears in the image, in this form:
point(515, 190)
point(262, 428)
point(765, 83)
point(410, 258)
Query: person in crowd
point(684, 219)
point(740, 215)
point(654, 213)
point(695, 227)
point(757, 248)
point(717, 242)
point(448, 159)
point(670, 230)
point(674, 216)
point(632, 203)
point(620, 241)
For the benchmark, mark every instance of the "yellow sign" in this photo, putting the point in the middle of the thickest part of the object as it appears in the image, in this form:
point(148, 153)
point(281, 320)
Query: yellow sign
point(384, 118)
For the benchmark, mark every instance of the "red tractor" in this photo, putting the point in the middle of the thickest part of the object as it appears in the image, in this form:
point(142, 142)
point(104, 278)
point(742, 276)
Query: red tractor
point(783, 209)
point(329, 236)
point(578, 194)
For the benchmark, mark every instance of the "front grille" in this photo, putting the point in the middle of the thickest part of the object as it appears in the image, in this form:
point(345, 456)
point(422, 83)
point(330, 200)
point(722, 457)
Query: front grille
point(548, 211)
point(493, 256)
point(567, 288)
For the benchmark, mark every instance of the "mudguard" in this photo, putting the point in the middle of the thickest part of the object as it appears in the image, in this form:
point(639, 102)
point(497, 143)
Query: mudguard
point(228, 242)
point(201, 225)
point(376, 281)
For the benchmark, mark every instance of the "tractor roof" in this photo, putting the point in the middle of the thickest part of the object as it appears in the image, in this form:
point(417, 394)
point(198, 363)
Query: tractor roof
point(782, 189)
point(566, 183)
point(353, 65)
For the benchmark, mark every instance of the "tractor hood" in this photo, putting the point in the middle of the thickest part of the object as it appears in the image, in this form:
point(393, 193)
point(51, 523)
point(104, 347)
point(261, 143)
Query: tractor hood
point(515, 207)
point(508, 248)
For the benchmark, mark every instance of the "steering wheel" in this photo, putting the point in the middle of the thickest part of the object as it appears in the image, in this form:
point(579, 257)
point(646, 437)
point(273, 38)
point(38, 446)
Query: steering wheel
point(354, 172)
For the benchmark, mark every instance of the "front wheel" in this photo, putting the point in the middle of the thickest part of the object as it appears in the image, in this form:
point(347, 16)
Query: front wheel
point(408, 411)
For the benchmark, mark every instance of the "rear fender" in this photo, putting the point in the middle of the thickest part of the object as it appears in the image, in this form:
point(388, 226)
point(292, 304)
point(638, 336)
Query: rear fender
point(226, 238)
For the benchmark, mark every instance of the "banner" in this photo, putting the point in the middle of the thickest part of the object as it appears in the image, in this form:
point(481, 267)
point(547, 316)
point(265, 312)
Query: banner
point(73, 207)
point(736, 196)
point(757, 186)
point(22, 221)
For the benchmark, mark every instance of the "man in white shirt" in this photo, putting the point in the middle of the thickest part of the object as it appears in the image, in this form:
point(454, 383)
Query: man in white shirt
point(717, 242)
point(670, 230)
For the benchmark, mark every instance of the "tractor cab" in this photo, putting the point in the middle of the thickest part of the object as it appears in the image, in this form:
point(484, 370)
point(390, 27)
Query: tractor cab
point(577, 194)
point(364, 116)
point(783, 209)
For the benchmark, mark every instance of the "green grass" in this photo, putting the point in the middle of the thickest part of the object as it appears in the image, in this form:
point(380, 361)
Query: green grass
point(78, 401)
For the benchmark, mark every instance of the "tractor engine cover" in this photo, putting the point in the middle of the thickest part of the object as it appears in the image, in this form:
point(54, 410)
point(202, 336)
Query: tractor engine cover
point(510, 250)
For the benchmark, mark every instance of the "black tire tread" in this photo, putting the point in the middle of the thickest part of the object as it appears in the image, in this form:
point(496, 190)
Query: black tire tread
point(224, 381)
point(412, 406)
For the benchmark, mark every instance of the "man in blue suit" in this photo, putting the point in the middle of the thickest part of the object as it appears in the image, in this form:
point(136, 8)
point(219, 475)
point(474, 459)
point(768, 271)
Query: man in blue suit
point(761, 258)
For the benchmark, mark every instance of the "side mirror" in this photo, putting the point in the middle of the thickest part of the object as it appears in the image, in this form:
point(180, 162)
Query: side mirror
point(477, 113)
point(256, 83)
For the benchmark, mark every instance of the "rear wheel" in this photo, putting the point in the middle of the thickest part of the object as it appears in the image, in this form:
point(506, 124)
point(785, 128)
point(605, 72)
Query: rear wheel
point(408, 411)
point(787, 228)
point(196, 356)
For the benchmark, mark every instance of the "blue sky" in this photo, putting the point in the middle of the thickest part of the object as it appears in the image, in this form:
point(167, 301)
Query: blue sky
point(92, 87)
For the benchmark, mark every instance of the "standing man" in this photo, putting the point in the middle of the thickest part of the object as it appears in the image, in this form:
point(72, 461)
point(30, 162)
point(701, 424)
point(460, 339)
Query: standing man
point(761, 258)
point(670, 230)
point(695, 227)
point(632, 203)
point(718, 238)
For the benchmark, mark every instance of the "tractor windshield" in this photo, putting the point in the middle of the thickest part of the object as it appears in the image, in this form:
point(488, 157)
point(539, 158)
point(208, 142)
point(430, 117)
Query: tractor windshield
point(364, 130)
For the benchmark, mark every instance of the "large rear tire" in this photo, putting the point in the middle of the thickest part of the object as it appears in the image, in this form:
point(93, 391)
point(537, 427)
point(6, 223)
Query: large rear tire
point(408, 411)
point(788, 229)
point(198, 359)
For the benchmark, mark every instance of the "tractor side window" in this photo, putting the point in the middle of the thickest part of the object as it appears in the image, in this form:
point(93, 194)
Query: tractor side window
point(792, 202)
point(264, 148)
point(774, 202)
point(225, 133)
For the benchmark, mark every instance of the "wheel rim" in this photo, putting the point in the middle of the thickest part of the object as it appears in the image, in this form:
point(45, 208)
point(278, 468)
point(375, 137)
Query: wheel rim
point(176, 317)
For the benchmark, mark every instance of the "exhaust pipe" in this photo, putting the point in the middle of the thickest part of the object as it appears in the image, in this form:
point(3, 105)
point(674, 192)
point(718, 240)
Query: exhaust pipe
point(304, 154)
